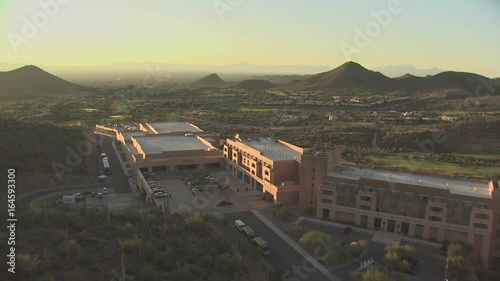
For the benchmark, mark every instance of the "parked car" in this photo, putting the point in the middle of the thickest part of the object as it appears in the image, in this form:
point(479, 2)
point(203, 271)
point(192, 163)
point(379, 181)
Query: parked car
point(158, 189)
point(78, 194)
point(239, 224)
point(194, 190)
point(347, 230)
point(160, 194)
point(223, 203)
point(104, 190)
point(92, 194)
point(99, 195)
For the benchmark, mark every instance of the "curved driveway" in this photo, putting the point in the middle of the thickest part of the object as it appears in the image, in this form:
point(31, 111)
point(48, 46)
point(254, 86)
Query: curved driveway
point(117, 181)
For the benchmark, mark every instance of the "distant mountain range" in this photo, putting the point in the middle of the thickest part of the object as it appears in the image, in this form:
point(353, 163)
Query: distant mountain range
point(400, 70)
point(351, 75)
point(210, 81)
point(31, 81)
point(214, 81)
point(254, 85)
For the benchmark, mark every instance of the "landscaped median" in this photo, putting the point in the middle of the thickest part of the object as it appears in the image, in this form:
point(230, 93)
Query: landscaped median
point(322, 248)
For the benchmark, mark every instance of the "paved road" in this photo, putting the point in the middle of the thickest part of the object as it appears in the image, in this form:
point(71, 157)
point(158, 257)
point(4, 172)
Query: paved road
point(283, 256)
point(118, 181)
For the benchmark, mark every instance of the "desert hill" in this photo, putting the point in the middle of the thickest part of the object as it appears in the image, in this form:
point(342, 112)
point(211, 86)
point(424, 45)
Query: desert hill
point(30, 81)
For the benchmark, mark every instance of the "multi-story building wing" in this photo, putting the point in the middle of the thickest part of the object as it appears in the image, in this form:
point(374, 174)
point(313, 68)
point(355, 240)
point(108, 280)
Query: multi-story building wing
point(271, 166)
point(282, 171)
point(428, 207)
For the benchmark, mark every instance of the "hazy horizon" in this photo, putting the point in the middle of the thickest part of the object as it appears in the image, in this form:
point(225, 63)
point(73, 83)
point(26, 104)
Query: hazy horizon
point(453, 35)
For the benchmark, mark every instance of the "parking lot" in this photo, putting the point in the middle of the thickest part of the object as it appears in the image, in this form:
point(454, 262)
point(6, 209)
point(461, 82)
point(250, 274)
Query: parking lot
point(190, 190)
point(113, 201)
point(432, 269)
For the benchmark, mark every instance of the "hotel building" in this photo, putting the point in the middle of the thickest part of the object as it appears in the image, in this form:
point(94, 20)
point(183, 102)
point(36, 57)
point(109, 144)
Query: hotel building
point(170, 146)
point(428, 207)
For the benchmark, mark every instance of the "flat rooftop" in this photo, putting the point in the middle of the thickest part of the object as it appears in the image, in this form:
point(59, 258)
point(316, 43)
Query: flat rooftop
point(459, 187)
point(127, 135)
point(154, 144)
point(173, 127)
point(271, 149)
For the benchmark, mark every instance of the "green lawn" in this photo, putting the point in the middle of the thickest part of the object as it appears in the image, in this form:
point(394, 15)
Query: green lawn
point(494, 154)
point(417, 162)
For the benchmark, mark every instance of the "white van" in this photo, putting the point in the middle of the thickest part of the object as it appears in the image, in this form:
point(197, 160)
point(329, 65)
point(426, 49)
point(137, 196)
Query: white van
point(248, 231)
point(239, 224)
point(259, 241)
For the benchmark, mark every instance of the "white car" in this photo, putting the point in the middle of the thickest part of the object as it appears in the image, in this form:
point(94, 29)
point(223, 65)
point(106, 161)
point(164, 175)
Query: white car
point(79, 195)
point(104, 190)
point(160, 194)
point(158, 189)
point(99, 195)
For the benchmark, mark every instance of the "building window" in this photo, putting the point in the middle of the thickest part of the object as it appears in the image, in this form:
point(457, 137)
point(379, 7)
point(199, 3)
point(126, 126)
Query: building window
point(481, 225)
point(366, 198)
point(312, 178)
point(436, 209)
point(314, 170)
point(437, 199)
point(434, 218)
point(482, 216)
point(328, 201)
point(327, 192)
point(266, 173)
point(365, 207)
point(498, 234)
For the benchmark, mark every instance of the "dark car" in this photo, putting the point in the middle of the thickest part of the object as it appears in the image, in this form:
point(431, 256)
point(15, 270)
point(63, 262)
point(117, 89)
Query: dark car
point(347, 230)
point(224, 203)
point(92, 194)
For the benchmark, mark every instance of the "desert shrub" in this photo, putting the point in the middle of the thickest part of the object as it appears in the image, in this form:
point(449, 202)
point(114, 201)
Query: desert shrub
point(316, 238)
point(148, 273)
point(296, 231)
point(181, 274)
point(165, 261)
point(228, 263)
point(27, 263)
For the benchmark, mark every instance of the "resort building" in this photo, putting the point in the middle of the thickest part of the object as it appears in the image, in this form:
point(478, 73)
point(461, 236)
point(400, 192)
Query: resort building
point(170, 146)
point(428, 207)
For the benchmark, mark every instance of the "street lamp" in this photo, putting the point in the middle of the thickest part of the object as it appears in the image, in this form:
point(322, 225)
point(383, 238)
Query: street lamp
point(446, 270)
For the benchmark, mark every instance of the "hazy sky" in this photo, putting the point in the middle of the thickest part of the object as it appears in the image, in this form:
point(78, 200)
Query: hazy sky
point(449, 34)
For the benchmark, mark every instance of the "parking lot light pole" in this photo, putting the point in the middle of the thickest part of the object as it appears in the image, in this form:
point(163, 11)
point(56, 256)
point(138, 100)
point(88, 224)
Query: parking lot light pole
point(446, 270)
